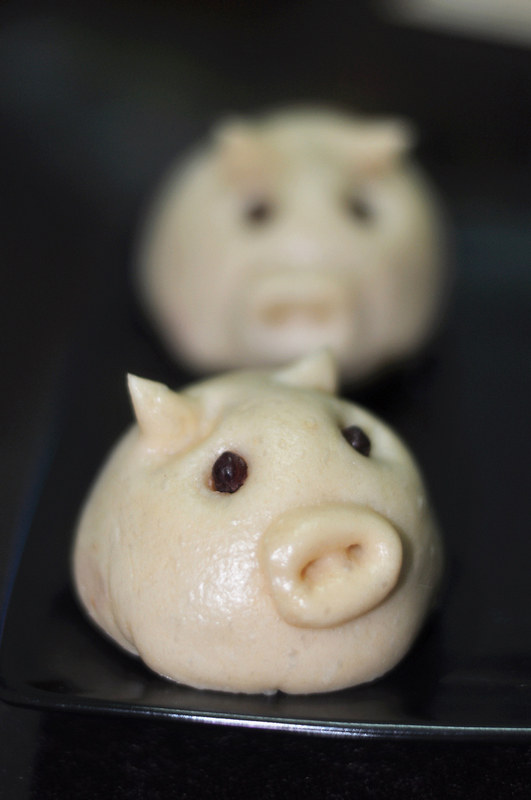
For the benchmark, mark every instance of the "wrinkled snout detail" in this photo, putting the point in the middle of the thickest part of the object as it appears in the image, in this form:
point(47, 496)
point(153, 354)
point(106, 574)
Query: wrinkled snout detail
point(329, 564)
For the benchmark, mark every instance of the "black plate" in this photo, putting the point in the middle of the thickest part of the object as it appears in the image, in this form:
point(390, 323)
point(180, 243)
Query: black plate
point(464, 410)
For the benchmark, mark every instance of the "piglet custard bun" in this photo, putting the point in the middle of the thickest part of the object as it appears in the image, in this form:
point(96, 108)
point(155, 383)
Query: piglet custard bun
point(291, 231)
point(255, 533)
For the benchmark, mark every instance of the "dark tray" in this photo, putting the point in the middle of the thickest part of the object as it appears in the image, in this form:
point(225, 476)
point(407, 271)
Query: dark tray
point(464, 409)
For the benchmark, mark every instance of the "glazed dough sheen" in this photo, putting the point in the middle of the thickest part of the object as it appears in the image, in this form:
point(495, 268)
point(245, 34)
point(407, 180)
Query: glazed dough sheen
point(313, 574)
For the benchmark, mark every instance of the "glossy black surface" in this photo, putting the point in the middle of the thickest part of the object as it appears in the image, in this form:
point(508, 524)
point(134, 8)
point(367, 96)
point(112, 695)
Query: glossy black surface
point(95, 99)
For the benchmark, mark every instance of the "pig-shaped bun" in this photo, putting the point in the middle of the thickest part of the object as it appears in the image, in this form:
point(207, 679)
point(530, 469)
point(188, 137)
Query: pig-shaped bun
point(255, 533)
point(299, 230)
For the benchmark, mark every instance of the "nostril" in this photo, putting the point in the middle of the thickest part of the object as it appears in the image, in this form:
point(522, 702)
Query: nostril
point(354, 552)
point(276, 314)
point(332, 565)
point(279, 313)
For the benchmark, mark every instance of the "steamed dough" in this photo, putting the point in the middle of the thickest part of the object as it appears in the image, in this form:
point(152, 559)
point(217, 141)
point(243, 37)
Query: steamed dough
point(255, 533)
point(294, 231)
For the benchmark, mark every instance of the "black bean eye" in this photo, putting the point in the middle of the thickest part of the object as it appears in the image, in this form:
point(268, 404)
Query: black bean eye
point(358, 439)
point(360, 208)
point(259, 211)
point(229, 472)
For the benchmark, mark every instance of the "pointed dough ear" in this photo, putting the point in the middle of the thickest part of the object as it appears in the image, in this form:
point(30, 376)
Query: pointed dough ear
point(243, 156)
point(381, 144)
point(316, 371)
point(167, 420)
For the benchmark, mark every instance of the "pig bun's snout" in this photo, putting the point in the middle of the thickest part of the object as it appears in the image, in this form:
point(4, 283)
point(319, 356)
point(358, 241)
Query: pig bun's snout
point(329, 564)
point(278, 313)
point(292, 297)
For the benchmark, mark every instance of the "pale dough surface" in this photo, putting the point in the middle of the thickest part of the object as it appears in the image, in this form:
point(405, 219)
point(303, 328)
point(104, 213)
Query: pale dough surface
point(316, 574)
point(293, 231)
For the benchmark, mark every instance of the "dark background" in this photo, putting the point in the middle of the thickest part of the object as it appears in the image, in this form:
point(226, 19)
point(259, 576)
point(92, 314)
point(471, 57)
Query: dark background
point(94, 102)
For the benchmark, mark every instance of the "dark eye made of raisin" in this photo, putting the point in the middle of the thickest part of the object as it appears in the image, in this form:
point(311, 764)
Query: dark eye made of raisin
point(358, 439)
point(229, 472)
point(259, 211)
point(360, 208)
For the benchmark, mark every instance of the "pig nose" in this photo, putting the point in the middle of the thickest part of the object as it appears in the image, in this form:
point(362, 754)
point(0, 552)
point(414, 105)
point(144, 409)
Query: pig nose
point(280, 299)
point(329, 564)
point(279, 313)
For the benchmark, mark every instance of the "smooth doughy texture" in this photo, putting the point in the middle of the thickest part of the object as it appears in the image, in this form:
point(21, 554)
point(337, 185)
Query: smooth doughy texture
point(315, 574)
point(291, 232)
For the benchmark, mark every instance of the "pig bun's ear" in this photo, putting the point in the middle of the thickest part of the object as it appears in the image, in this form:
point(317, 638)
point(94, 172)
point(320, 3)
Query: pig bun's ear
point(315, 371)
point(242, 154)
point(382, 144)
point(167, 420)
